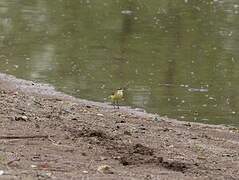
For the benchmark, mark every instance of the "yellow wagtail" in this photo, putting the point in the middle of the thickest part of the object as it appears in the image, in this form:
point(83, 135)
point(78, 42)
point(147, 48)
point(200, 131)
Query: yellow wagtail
point(116, 96)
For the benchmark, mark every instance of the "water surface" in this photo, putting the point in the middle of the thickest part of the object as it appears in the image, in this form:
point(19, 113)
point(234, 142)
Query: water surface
point(176, 58)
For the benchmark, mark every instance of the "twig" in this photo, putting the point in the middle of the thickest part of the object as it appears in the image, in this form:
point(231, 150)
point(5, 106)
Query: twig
point(91, 161)
point(57, 143)
point(12, 161)
point(53, 169)
point(25, 137)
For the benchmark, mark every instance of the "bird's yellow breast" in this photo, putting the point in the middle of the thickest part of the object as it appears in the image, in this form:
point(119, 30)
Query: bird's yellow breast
point(117, 95)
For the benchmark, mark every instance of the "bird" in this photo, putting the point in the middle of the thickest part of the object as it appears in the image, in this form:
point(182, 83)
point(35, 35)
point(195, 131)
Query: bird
point(117, 96)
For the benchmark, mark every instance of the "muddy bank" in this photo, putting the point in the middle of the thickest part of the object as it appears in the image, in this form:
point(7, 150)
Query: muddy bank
point(49, 135)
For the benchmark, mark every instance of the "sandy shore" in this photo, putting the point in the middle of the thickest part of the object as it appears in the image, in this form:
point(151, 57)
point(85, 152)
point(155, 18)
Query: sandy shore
point(49, 135)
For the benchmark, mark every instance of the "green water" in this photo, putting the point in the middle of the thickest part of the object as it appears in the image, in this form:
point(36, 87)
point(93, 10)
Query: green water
point(178, 58)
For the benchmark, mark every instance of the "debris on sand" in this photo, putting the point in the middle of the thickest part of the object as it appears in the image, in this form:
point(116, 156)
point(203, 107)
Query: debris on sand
point(105, 169)
point(21, 118)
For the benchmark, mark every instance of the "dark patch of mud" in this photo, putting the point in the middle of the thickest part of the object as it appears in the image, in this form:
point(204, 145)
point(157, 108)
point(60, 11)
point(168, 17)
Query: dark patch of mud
point(127, 154)
point(87, 132)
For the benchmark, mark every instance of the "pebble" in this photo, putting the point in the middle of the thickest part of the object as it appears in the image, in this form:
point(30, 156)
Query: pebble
point(140, 110)
point(100, 115)
point(21, 118)
point(103, 158)
point(127, 133)
point(105, 169)
point(1, 172)
point(120, 121)
point(85, 172)
point(33, 166)
point(157, 119)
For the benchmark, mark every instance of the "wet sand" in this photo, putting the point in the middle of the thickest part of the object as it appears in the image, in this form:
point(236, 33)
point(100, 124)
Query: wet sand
point(46, 134)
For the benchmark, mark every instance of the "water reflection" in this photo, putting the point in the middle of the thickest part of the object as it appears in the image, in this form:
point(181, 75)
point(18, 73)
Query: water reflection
point(176, 58)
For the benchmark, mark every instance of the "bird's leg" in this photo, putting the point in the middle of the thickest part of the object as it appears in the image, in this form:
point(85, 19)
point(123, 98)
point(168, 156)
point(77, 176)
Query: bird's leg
point(114, 104)
point(117, 104)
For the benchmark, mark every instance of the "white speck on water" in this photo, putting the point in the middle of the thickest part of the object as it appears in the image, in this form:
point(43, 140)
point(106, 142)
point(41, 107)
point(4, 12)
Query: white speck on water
point(126, 12)
point(197, 90)
point(198, 8)
point(230, 34)
point(184, 85)
point(236, 6)
point(103, 86)
point(136, 71)
point(211, 98)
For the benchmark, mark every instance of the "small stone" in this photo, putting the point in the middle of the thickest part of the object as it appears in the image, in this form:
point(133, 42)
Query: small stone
point(127, 133)
point(193, 137)
point(157, 119)
point(100, 115)
point(105, 169)
point(1, 172)
point(116, 157)
point(188, 125)
point(103, 158)
point(142, 128)
point(83, 154)
point(139, 109)
point(120, 121)
point(33, 166)
point(43, 175)
point(37, 126)
point(21, 118)
point(15, 93)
